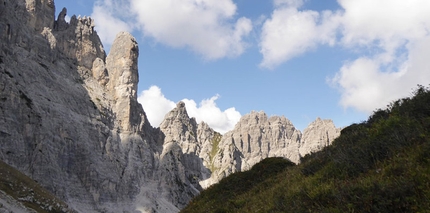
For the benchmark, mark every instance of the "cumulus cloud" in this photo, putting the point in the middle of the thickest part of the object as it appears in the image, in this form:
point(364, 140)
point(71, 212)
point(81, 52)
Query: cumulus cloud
point(370, 83)
point(397, 35)
point(108, 24)
point(208, 111)
point(392, 37)
point(157, 106)
point(206, 27)
point(291, 32)
point(389, 23)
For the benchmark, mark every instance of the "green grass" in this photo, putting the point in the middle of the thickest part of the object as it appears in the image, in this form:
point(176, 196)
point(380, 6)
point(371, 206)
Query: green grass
point(215, 143)
point(28, 192)
point(380, 165)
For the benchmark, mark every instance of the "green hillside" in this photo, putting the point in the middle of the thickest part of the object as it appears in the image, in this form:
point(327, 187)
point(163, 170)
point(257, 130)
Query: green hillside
point(379, 165)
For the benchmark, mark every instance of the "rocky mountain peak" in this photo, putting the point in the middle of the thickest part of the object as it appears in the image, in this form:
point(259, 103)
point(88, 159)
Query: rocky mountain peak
point(180, 104)
point(178, 126)
point(61, 23)
point(122, 76)
point(257, 136)
point(179, 114)
point(319, 134)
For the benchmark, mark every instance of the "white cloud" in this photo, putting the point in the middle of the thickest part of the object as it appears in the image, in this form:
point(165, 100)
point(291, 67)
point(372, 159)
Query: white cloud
point(370, 83)
point(156, 106)
point(204, 26)
point(208, 111)
point(387, 22)
point(392, 36)
point(107, 24)
point(364, 87)
point(396, 33)
point(290, 32)
point(207, 27)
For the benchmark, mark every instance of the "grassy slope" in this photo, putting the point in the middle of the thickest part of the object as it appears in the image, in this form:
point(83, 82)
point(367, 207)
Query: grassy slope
point(28, 192)
point(380, 165)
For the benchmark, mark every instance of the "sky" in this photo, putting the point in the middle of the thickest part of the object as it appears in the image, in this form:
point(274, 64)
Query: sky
point(302, 59)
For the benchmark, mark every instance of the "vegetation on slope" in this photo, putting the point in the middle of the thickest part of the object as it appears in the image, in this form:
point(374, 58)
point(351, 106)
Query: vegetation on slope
point(28, 192)
point(380, 165)
point(215, 148)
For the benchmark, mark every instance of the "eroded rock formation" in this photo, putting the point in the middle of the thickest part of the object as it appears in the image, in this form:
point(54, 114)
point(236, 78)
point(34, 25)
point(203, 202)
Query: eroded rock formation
point(69, 117)
point(257, 136)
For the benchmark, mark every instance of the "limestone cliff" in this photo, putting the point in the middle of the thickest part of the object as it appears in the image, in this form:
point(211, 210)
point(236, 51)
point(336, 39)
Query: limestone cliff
point(69, 116)
point(257, 136)
point(318, 135)
point(69, 119)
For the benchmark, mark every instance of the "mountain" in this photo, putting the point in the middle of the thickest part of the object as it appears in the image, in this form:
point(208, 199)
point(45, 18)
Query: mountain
point(257, 136)
point(379, 165)
point(70, 121)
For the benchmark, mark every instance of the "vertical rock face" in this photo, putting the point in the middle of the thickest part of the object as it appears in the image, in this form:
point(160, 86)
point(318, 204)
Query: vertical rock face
point(69, 118)
point(254, 138)
point(318, 135)
point(121, 64)
point(61, 124)
point(179, 160)
point(41, 14)
point(257, 136)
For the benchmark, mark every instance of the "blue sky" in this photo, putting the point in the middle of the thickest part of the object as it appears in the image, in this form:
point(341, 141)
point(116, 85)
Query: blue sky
point(303, 59)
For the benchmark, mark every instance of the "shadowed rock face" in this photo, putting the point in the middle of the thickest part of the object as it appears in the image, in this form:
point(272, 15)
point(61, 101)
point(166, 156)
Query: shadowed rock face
point(69, 116)
point(69, 119)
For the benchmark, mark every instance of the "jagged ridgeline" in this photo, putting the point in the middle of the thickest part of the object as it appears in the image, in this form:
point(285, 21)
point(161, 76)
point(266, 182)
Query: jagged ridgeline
point(70, 120)
point(380, 165)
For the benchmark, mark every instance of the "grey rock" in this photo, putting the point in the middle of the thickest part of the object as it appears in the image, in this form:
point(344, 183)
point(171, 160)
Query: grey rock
point(317, 135)
point(60, 24)
point(60, 123)
point(182, 146)
point(257, 136)
point(121, 65)
point(40, 14)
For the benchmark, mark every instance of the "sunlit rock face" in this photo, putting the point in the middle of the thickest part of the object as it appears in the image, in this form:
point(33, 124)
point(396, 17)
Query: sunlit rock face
point(318, 135)
point(257, 136)
point(69, 119)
